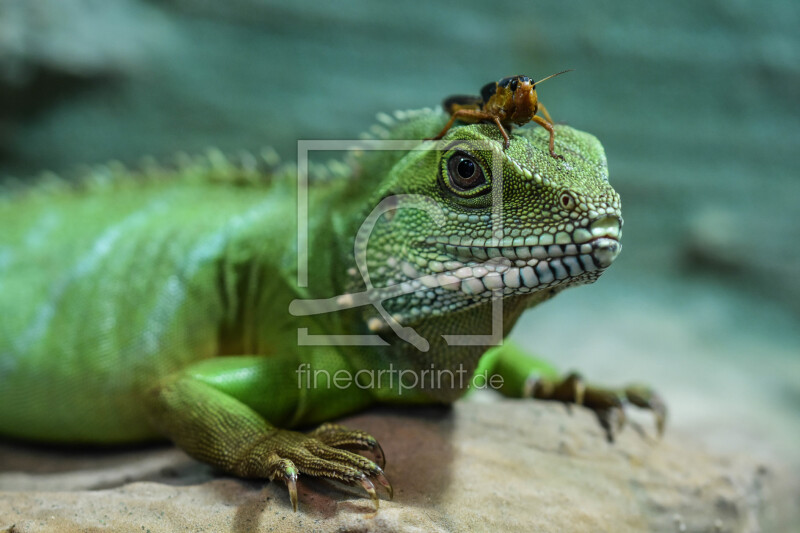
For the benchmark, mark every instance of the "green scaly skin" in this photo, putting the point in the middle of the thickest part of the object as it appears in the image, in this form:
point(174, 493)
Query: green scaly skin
point(119, 296)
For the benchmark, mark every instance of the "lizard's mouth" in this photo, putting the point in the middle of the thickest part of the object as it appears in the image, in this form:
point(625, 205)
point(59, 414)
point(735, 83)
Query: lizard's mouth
point(489, 265)
point(525, 269)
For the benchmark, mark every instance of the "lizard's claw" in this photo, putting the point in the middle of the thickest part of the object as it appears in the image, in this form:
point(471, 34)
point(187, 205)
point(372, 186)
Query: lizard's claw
point(284, 469)
point(607, 404)
point(370, 488)
point(322, 453)
point(385, 483)
point(612, 421)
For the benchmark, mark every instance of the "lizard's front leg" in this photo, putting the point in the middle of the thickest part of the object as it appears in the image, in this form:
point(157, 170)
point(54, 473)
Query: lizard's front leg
point(527, 377)
point(224, 412)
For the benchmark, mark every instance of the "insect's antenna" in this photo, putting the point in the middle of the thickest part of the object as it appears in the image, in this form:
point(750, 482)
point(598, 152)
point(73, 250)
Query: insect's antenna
point(553, 76)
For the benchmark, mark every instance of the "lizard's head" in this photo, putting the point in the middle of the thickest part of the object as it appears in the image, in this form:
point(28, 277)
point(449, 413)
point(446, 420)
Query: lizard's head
point(472, 220)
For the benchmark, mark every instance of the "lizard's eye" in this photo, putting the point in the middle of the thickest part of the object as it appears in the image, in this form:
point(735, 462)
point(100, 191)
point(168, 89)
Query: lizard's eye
point(464, 173)
point(464, 176)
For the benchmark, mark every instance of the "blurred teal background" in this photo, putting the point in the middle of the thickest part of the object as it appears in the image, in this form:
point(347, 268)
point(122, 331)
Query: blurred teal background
point(696, 103)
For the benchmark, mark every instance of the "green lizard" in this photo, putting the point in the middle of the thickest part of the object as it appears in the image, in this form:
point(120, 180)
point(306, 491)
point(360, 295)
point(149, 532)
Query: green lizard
point(170, 302)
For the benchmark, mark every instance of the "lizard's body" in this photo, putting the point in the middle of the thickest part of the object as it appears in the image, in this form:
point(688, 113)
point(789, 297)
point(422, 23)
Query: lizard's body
point(102, 295)
point(117, 300)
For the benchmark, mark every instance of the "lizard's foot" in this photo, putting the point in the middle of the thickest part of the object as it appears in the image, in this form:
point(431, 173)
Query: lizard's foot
point(607, 404)
point(322, 453)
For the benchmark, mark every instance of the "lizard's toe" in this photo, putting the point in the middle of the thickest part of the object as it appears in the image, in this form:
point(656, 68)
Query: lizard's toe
point(607, 404)
point(322, 460)
point(612, 420)
point(646, 398)
point(609, 409)
point(284, 469)
point(339, 436)
point(287, 454)
point(570, 390)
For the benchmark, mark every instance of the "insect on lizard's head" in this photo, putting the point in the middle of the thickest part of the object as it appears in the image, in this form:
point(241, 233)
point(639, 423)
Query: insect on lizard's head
point(473, 221)
point(523, 95)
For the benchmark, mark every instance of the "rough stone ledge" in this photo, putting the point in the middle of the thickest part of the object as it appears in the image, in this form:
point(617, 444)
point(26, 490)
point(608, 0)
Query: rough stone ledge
point(499, 466)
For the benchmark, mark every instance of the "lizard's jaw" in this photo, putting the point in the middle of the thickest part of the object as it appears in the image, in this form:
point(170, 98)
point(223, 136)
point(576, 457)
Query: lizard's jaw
point(524, 269)
point(573, 259)
point(466, 275)
point(605, 250)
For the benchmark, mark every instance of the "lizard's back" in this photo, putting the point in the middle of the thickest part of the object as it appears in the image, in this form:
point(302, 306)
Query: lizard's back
point(102, 292)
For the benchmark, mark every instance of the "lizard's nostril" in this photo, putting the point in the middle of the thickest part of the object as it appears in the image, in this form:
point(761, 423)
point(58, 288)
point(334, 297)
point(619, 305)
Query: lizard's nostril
point(567, 200)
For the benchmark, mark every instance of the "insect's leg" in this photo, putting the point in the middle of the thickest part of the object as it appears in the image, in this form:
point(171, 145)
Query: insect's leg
point(549, 127)
point(543, 109)
point(461, 101)
point(506, 140)
point(445, 129)
point(460, 113)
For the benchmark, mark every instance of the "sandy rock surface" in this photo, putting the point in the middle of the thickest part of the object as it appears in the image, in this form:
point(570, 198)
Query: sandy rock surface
point(484, 465)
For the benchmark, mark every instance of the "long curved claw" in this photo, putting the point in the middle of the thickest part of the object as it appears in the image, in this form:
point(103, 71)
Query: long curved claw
point(291, 484)
point(370, 488)
point(371, 444)
point(612, 420)
point(285, 469)
point(380, 457)
point(608, 408)
point(604, 418)
point(381, 478)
